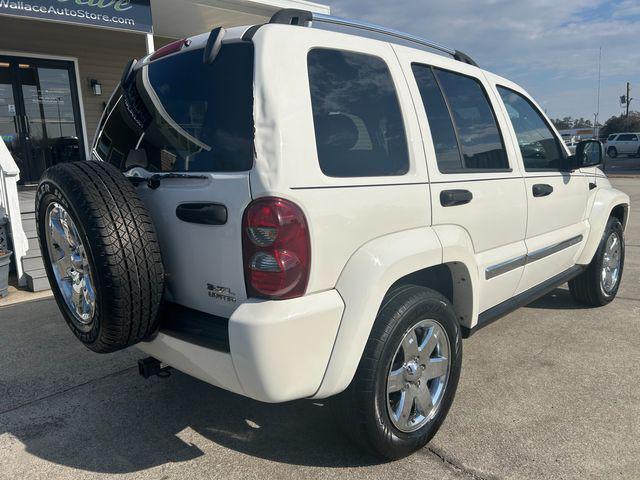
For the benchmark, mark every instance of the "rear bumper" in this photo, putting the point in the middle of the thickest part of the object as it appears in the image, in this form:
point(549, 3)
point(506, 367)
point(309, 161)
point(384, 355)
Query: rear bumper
point(278, 350)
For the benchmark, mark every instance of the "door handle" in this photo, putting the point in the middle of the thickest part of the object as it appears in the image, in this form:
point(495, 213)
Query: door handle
point(542, 190)
point(202, 213)
point(451, 198)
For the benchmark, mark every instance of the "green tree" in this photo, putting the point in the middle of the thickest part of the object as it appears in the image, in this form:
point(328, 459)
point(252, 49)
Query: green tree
point(620, 124)
point(582, 123)
point(565, 123)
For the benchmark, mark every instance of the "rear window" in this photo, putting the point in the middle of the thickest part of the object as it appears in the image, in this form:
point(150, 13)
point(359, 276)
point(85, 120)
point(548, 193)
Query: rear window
point(356, 114)
point(178, 114)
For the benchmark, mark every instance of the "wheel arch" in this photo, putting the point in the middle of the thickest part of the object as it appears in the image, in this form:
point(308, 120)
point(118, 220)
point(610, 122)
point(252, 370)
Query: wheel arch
point(409, 257)
point(621, 212)
point(608, 203)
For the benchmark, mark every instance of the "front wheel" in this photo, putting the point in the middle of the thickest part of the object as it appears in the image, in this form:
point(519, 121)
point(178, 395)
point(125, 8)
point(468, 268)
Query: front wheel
point(407, 377)
point(598, 284)
point(612, 152)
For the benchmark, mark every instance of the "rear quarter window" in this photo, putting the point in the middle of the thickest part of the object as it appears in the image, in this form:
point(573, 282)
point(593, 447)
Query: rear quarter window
point(358, 123)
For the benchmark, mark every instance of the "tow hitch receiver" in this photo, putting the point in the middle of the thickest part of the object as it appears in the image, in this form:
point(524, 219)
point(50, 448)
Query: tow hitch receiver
point(149, 367)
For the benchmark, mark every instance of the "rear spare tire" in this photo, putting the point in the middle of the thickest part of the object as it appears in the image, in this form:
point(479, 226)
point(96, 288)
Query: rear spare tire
point(101, 254)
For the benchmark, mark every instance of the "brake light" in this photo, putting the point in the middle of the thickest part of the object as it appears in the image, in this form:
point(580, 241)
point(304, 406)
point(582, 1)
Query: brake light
point(168, 49)
point(276, 249)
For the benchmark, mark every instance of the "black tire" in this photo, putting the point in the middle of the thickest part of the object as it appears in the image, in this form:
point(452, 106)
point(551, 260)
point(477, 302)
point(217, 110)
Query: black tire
point(638, 153)
point(612, 152)
point(588, 287)
point(362, 408)
point(120, 247)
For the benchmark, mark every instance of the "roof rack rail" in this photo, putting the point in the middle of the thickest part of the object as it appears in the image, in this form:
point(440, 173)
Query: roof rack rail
point(292, 16)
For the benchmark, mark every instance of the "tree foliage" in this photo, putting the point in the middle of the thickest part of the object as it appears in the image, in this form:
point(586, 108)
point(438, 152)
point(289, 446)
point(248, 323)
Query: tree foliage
point(621, 124)
point(567, 123)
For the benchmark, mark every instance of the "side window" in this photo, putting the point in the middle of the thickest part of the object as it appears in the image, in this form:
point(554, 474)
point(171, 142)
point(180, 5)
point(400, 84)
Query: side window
point(463, 126)
point(627, 137)
point(539, 145)
point(443, 133)
point(611, 137)
point(356, 114)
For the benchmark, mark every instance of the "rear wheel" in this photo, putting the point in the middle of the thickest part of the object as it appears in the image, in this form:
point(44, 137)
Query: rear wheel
point(101, 254)
point(612, 152)
point(599, 283)
point(407, 377)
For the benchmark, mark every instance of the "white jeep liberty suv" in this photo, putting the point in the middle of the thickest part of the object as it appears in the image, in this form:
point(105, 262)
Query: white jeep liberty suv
point(318, 207)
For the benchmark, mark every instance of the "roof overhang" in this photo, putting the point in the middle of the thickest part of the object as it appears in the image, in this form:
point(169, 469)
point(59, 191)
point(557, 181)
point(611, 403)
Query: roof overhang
point(178, 19)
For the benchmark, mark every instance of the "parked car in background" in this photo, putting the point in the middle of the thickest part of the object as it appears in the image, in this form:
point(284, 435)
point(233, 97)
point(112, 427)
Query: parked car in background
point(623, 144)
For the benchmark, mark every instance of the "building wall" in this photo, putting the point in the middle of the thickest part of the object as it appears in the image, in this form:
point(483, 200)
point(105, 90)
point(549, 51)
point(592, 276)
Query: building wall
point(101, 54)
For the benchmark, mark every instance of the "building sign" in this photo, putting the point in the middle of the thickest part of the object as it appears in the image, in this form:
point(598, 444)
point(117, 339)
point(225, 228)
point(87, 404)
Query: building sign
point(134, 15)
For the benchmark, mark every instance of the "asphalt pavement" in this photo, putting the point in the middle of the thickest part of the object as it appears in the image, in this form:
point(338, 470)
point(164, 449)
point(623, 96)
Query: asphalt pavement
point(550, 391)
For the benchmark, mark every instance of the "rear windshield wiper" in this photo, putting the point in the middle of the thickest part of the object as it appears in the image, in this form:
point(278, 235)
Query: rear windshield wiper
point(154, 180)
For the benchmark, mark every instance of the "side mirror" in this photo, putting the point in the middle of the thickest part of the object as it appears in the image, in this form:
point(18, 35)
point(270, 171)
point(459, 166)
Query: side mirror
point(589, 153)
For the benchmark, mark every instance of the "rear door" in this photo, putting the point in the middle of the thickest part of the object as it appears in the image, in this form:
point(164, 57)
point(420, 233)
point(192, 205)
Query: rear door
point(186, 129)
point(556, 197)
point(475, 185)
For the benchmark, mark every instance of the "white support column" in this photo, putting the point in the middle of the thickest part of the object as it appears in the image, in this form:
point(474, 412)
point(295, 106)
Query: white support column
point(148, 40)
point(10, 203)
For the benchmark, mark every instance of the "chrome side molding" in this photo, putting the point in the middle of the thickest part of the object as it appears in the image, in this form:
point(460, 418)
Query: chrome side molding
point(504, 267)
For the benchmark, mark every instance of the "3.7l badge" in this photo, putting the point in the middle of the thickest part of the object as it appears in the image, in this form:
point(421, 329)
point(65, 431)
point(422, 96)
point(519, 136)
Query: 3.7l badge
point(221, 293)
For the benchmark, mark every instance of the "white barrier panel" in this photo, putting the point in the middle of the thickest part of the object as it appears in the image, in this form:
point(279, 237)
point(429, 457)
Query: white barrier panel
point(10, 206)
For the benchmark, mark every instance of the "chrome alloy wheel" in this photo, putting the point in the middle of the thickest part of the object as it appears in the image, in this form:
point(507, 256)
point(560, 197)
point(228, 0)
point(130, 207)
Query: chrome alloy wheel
point(70, 265)
point(611, 263)
point(418, 375)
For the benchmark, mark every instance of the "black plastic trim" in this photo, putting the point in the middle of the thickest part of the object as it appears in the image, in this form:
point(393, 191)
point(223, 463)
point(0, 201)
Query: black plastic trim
point(463, 57)
point(250, 33)
point(194, 326)
point(292, 16)
point(494, 313)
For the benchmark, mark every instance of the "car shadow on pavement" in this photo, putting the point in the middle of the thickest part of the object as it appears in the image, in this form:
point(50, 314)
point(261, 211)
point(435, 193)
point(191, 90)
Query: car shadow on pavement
point(125, 424)
point(558, 299)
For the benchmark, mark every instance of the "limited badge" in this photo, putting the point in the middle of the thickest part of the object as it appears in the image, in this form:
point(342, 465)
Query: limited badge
point(221, 293)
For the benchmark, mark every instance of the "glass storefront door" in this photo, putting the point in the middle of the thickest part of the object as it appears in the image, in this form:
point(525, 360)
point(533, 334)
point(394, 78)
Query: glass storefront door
point(39, 114)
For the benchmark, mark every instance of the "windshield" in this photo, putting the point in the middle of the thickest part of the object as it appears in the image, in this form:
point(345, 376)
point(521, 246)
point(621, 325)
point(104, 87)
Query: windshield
point(179, 115)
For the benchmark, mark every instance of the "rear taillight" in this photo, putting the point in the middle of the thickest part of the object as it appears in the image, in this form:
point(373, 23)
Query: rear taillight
point(276, 249)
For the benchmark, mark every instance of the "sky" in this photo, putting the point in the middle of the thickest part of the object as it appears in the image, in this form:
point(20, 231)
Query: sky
point(549, 47)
